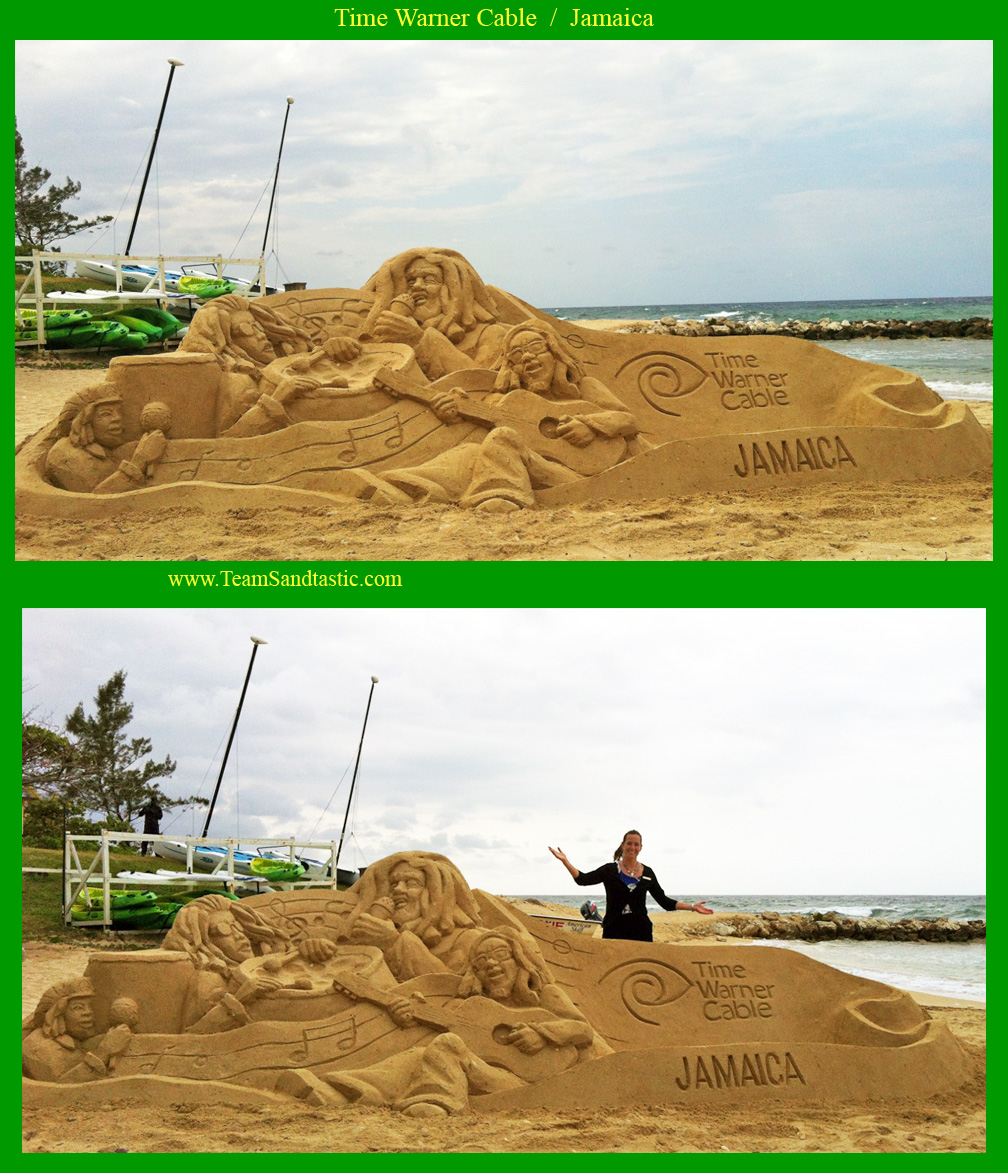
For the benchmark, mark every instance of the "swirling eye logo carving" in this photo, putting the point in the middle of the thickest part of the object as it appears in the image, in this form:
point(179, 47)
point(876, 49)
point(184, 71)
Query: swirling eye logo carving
point(645, 985)
point(662, 377)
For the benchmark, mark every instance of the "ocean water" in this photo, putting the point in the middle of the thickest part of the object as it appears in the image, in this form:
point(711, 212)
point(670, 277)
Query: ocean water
point(907, 309)
point(956, 368)
point(948, 970)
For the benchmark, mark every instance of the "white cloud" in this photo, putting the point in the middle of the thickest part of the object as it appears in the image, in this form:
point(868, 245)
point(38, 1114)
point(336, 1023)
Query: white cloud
point(760, 751)
point(491, 143)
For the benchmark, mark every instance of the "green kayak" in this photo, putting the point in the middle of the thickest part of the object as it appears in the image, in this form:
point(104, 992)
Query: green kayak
point(142, 914)
point(54, 319)
point(196, 285)
point(167, 323)
point(135, 324)
point(280, 870)
point(87, 336)
point(117, 900)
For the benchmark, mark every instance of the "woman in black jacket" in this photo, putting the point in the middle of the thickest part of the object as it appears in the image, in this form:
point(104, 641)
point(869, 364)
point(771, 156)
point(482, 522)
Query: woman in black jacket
point(628, 883)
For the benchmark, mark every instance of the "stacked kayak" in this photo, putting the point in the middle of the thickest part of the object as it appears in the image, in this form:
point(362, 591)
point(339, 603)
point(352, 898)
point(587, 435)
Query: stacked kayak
point(203, 287)
point(133, 277)
point(65, 329)
point(179, 895)
point(155, 324)
point(277, 870)
point(54, 319)
point(129, 910)
point(90, 335)
point(206, 857)
point(144, 278)
point(79, 329)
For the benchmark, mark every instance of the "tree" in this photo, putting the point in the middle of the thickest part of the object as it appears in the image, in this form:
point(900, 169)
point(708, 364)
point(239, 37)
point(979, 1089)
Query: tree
point(47, 820)
point(39, 216)
point(47, 759)
point(108, 777)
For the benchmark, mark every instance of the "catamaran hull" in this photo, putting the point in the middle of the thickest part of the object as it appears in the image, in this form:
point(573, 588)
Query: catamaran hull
point(137, 278)
point(206, 859)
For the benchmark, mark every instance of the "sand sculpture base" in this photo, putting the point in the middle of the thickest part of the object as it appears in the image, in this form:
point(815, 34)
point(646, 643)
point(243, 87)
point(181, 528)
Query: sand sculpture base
point(465, 1005)
point(312, 396)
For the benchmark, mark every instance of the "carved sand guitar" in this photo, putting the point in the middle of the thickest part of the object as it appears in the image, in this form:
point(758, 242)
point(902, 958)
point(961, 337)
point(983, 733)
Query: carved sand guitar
point(534, 418)
point(482, 1023)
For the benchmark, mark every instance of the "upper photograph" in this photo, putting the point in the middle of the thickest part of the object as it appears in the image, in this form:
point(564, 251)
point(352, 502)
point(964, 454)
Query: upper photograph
point(610, 301)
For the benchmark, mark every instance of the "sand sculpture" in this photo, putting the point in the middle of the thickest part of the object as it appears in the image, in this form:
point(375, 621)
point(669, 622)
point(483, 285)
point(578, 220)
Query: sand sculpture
point(427, 385)
point(411, 990)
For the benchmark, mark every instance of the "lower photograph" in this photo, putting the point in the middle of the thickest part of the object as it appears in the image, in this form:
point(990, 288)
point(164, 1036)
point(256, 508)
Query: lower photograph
point(503, 880)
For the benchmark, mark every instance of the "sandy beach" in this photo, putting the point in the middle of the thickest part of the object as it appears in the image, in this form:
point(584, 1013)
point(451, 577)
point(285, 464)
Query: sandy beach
point(952, 1122)
point(942, 520)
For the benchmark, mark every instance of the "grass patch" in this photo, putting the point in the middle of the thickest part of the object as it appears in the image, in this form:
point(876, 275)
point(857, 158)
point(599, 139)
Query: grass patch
point(51, 282)
point(42, 896)
point(34, 358)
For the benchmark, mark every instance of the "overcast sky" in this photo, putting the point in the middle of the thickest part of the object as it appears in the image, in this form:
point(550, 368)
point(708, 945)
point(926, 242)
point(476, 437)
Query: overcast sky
point(570, 173)
point(767, 751)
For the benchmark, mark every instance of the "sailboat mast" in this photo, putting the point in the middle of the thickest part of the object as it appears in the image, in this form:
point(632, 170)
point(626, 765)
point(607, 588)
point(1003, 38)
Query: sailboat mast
point(276, 174)
point(241, 700)
point(157, 130)
point(353, 780)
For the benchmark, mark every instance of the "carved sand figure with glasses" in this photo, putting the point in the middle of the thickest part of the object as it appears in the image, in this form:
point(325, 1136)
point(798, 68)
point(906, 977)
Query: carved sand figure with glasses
point(550, 424)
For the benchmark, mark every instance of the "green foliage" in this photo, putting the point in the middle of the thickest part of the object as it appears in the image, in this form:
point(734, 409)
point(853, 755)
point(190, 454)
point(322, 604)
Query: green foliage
point(44, 823)
point(96, 770)
point(47, 759)
point(110, 778)
point(39, 216)
point(42, 897)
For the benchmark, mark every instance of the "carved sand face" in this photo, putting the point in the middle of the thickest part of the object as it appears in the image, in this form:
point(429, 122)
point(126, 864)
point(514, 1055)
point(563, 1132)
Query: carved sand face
point(531, 360)
point(425, 285)
point(247, 332)
point(406, 886)
point(496, 967)
point(79, 1018)
point(229, 939)
point(107, 425)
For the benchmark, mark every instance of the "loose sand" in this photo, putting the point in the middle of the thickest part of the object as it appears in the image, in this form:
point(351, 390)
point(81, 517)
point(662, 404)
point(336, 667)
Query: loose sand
point(954, 1122)
point(944, 520)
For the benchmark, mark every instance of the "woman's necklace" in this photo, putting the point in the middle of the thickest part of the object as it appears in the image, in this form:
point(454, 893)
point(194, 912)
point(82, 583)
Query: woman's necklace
point(635, 872)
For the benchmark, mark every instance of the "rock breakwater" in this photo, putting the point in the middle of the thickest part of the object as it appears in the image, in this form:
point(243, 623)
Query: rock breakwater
point(822, 331)
point(826, 926)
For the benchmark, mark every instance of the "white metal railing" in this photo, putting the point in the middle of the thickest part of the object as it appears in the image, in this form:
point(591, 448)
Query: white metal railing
point(78, 878)
point(29, 294)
